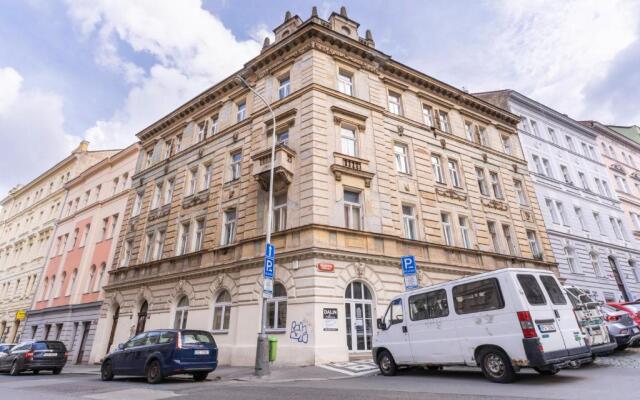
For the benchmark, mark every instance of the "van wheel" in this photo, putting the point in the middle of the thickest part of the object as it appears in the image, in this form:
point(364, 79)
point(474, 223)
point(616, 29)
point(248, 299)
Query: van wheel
point(547, 371)
point(496, 366)
point(106, 371)
point(14, 369)
point(387, 364)
point(200, 376)
point(56, 371)
point(154, 373)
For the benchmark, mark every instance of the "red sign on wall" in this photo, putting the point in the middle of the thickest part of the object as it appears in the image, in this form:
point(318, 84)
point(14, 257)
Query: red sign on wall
point(325, 267)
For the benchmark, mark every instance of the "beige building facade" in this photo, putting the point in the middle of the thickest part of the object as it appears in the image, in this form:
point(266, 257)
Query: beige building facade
point(374, 161)
point(28, 219)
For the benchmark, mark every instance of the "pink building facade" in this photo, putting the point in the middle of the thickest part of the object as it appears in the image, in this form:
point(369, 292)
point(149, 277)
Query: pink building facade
point(67, 303)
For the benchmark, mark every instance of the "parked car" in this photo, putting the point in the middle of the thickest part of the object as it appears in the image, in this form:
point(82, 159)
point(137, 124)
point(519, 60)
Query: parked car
point(630, 308)
point(4, 349)
point(621, 326)
point(161, 353)
point(591, 321)
point(500, 321)
point(35, 356)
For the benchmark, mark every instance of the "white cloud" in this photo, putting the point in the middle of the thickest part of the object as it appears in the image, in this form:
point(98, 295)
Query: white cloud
point(191, 49)
point(31, 131)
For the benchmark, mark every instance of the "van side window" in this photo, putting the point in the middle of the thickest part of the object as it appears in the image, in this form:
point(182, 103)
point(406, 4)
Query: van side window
point(532, 290)
point(428, 305)
point(394, 313)
point(553, 290)
point(167, 337)
point(484, 295)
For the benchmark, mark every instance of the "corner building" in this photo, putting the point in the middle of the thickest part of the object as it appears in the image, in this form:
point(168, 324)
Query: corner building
point(374, 160)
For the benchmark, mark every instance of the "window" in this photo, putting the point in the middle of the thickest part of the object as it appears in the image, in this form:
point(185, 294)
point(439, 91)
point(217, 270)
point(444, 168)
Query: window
point(394, 103)
point(149, 158)
point(616, 227)
point(605, 186)
point(229, 232)
point(159, 245)
point(468, 130)
point(137, 204)
point(352, 209)
point(222, 312)
point(585, 149)
point(214, 125)
point(284, 88)
point(595, 263)
point(126, 258)
point(394, 314)
point(463, 222)
point(583, 181)
point(592, 153)
point(242, 111)
point(491, 226)
point(443, 119)
point(114, 225)
point(279, 218)
point(148, 249)
point(168, 148)
point(552, 135)
point(409, 222)
point(571, 260)
point(105, 228)
point(447, 231)
point(506, 231)
point(534, 125)
point(103, 270)
point(480, 136)
point(76, 233)
point(524, 123)
point(437, 169)
point(536, 162)
point(580, 217)
point(553, 290)
point(506, 144)
point(596, 218)
point(115, 185)
point(348, 141)
point(635, 218)
point(547, 168)
point(495, 185)
point(402, 161)
point(201, 131)
point(454, 173)
point(283, 138)
point(178, 143)
point(236, 159)
point(482, 183)
point(566, 175)
point(428, 305)
point(199, 235)
point(533, 244)
point(206, 179)
point(532, 290)
point(563, 215)
point(184, 237)
point(193, 181)
point(522, 196)
point(182, 313)
point(345, 82)
point(277, 309)
point(157, 193)
point(479, 296)
point(427, 115)
point(92, 275)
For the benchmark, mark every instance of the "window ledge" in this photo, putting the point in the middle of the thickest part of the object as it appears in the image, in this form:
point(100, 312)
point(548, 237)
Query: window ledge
point(220, 332)
point(277, 331)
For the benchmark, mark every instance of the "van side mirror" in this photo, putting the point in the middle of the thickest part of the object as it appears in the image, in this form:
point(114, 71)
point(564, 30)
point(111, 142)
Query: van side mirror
point(381, 324)
point(121, 346)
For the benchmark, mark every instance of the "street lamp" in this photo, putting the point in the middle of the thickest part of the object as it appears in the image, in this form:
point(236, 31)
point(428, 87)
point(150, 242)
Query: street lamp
point(262, 349)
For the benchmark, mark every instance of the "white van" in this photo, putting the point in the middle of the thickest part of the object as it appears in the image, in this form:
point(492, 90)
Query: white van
point(500, 321)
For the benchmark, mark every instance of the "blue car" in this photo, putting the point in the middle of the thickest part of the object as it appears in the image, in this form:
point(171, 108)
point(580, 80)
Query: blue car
point(161, 353)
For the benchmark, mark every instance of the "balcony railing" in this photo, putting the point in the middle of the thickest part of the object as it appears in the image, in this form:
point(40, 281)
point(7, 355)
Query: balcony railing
point(283, 167)
point(350, 165)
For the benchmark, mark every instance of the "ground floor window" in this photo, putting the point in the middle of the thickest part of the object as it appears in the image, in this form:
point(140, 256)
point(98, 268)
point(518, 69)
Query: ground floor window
point(222, 312)
point(182, 312)
point(277, 309)
point(359, 316)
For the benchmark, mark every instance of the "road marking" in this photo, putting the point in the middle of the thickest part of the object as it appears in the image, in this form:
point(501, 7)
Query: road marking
point(138, 394)
point(352, 368)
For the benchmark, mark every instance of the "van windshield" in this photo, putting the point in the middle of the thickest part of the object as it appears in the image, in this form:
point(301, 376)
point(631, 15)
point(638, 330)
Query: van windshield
point(532, 290)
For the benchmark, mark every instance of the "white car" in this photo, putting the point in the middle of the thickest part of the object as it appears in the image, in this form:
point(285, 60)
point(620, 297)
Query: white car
point(500, 321)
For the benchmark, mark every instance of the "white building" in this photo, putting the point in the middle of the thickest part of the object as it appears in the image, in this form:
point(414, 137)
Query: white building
point(589, 231)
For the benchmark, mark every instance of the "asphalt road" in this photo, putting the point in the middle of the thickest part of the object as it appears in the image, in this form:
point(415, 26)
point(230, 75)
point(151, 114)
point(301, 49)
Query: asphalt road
point(603, 381)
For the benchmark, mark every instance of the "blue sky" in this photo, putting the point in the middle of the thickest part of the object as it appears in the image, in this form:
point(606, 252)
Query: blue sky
point(102, 70)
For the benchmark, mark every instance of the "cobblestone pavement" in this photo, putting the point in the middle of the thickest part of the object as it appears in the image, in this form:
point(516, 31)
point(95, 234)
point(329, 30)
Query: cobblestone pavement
point(629, 358)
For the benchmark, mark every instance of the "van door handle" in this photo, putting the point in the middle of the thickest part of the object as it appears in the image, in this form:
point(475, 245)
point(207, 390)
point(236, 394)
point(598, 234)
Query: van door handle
point(557, 314)
point(404, 328)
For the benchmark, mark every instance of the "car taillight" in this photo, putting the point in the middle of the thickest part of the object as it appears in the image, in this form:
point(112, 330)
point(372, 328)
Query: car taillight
point(179, 341)
point(611, 317)
point(526, 323)
point(28, 355)
point(66, 354)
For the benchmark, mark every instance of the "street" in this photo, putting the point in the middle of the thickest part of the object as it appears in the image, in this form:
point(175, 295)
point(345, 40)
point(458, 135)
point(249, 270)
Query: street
point(610, 376)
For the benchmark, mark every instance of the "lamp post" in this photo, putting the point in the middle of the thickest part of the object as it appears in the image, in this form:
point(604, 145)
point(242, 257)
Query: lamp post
point(262, 349)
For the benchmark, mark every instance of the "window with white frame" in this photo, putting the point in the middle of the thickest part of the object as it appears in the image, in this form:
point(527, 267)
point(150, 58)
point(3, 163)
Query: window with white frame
point(345, 82)
point(137, 204)
point(495, 185)
point(552, 135)
point(214, 125)
point(178, 143)
point(277, 309)
point(229, 231)
point(534, 125)
point(520, 192)
point(506, 144)
point(159, 244)
point(193, 181)
point(148, 248)
point(72, 285)
point(157, 194)
point(481, 135)
point(279, 218)
point(605, 186)
point(168, 149)
point(436, 164)
point(552, 211)
point(447, 230)
point(352, 209)
point(443, 119)
point(524, 123)
point(538, 164)
point(149, 158)
point(635, 218)
point(241, 113)
point(533, 244)
point(583, 181)
point(585, 149)
point(236, 159)
point(283, 138)
point(168, 191)
point(465, 234)
point(547, 168)
point(561, 212)
point(198, 235)
point(454, 173)
point(92, 275)
point(401, 157)
point(595, 263)
point(284, 88)
point(580, 217)
point(183, 237)
point(85, 235)
point(482, 182)
point(348, 140)
point(508, 237)
point(574, 267)
point(114, 224)
point(566, 175)
point(427, 115)
point(201, 131)
point(222, 312)
point(126, 257)
point(596, 217)
point(182, 313)
point(468, 130)
point(103, 270)
point(615, 227)
point(409, 222)
point(592, 153)
point(206, 179)
point(495, 240)
point(394, 103)
point(622, 229)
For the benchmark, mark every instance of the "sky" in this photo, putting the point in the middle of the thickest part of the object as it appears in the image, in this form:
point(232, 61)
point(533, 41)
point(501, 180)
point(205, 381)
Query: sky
point(103, 70)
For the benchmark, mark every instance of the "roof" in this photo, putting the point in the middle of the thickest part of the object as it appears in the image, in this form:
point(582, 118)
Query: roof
point(632, 131)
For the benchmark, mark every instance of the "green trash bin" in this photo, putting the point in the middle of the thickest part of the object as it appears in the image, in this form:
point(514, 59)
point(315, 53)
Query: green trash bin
point(273, 348)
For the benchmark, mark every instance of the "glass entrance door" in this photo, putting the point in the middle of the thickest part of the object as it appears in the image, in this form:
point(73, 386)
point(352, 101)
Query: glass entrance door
point(359, 317)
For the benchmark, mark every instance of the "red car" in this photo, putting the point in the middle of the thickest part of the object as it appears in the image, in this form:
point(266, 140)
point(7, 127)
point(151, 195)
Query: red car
point(633, 309)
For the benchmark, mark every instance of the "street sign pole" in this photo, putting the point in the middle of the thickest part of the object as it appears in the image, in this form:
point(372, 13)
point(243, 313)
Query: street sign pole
point(409, 272)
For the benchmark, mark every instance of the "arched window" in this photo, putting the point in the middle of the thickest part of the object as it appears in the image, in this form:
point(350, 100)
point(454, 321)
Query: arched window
point(103, 269)
point(346, 30)
point(92, 274)
point(51, 286)
point(61, 284)
point(72, 285)
point(182, 312)
point(277, 309)
point(142, 317)
point(222, 312)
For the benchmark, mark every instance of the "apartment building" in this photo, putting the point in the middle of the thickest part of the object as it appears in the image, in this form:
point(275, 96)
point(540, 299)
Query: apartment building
point(28, 217)
point(583, 195)
point(67, 303)
point(374, 160)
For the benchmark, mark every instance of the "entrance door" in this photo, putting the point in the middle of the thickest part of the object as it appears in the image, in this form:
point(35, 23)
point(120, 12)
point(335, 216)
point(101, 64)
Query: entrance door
point(618, 278)
point(359, 317)
point(85, 332)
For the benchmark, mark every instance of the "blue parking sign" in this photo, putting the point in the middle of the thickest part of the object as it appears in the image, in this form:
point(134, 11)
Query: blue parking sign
point(270, 251)
point(408, 265)
point(268, 267)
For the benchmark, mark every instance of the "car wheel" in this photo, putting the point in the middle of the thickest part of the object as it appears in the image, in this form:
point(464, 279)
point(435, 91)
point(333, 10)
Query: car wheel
point(154, 372)
point(200, 376)
point(56, 371)
point(623, 346)
point(36, 371)
point(14, 369)
point(547, 371)
point(386, 363)
point(496, 366)
point(106, 371)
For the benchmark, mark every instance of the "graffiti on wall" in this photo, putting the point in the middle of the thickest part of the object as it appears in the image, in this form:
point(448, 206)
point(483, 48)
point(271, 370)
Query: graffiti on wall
point(299, 332)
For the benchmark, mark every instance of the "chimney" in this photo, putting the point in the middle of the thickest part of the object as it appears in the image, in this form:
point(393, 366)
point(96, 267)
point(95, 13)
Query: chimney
point(82, 147)
point(287, 16)
point(314, 12)
point(343, 12)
